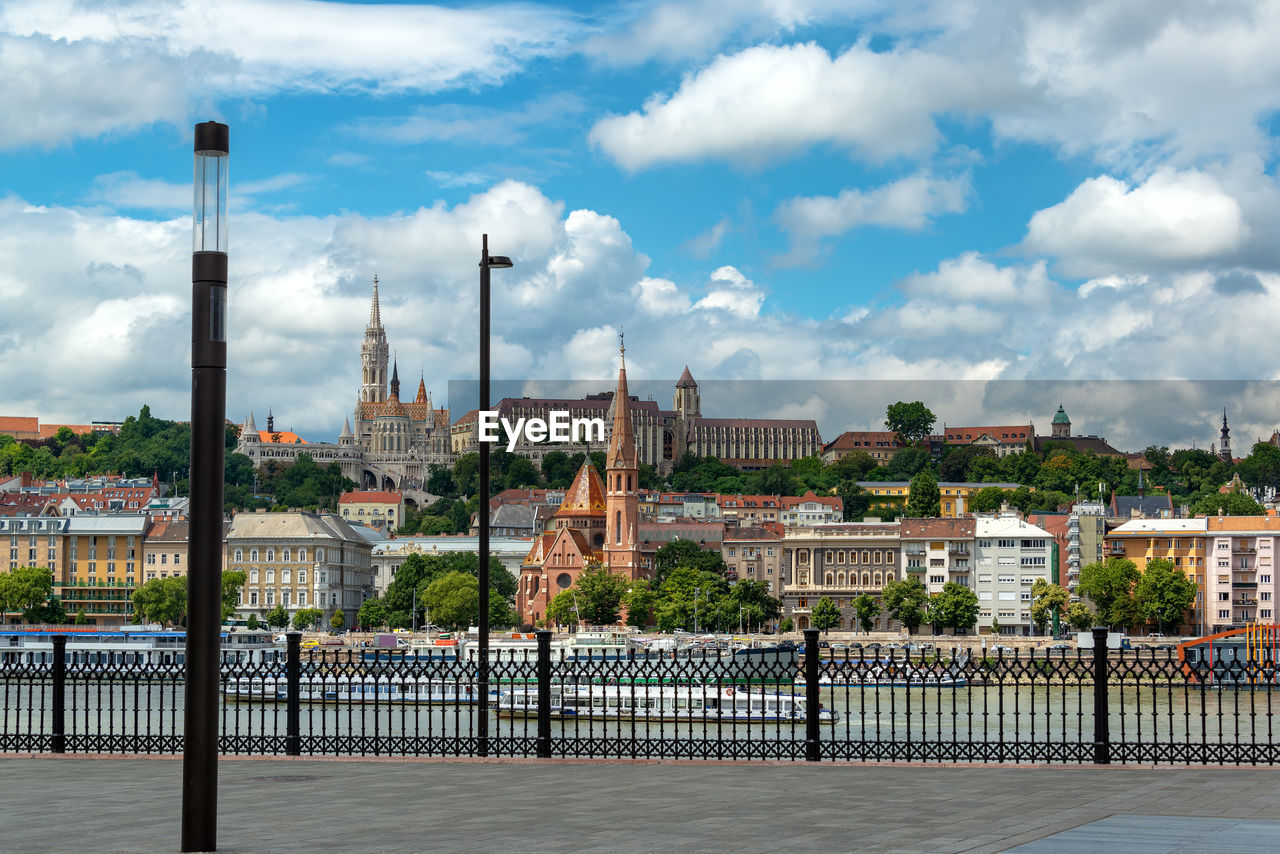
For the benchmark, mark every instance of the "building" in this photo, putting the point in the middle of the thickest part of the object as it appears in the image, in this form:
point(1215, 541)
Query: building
point(678, 505)
point(954, 496)
point(1060, 434)
point(300, 559)
point(1009, 555)
point(810, 509)
point(1007, 439)
point(597, 523)
point(100, 565)
point(709, 534)
point(164, 553)
point(938, 551)
point(383, 511)
point(881, 445)
point(841, 562)
point(1240, 583)
point(27, 428)
point(750, 509)
point(755, 554)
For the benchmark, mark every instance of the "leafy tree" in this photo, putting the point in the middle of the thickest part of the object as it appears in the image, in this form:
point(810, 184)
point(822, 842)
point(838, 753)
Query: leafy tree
point(907, 463)
point(562, 610)
point(866, 610)
point(1109, 585)
point(955, 465)
point(278, 618)
point(986, 500)
point(232, 581)
point(852, 466)
point(825, 615)
point(1164, 593)
point(253, 623)
point(1234, 503)
point(454, 600)
point(1262, 467)
point(905, 601)
point(600, 595)
point(51, 613)
point(1079, 616)
point(162, 600)
point(786, 625)
point(924, 499)
point(995, 625)
point(685, 553)
point(82, 618)
point(1046, 598)
point(522, 473)
point(420, 571)
point(24, 589)
point(855, 500)
point(440, 481)
point(305, 619)
point(639, 603)
point(466, 473)
point(338, 621)
point(756, 606)
point(954, 607)
point(911, 421)
point(372, 613)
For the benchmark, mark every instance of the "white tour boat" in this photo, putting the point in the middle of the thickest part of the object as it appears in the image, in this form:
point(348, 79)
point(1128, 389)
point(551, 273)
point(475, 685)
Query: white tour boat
point(662, 704)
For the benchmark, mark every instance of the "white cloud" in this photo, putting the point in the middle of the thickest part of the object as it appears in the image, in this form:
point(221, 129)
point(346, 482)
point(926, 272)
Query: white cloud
point(732, 292)
point(972, 278)
point(1107, 226)
point(909, 203)
point(661, 296)
point(768, 100)
point(704, 244)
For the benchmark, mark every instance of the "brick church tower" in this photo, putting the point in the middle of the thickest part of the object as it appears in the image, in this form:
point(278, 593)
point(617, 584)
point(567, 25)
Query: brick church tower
point(622, 481)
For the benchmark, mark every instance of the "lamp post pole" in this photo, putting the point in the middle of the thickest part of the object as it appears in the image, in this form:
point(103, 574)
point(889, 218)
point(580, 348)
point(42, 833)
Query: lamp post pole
point(208, 451)
point(697, 591)
point(487, 262)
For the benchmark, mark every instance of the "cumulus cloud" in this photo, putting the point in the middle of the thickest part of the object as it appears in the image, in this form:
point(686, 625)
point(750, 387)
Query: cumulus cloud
point(1107, 225)
point(909, 203)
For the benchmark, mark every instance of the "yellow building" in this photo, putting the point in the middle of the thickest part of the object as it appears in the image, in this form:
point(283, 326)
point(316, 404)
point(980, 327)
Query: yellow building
point(954, 496)
point(1182, 541)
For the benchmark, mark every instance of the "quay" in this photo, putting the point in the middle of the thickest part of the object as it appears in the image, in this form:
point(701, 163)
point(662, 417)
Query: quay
point(74, 803)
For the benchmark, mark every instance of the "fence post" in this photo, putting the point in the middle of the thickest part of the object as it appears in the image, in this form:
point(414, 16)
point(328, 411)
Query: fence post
point(1101, 711)
point(544, 694)
point(293, 680)
point(812, 747)
point(58, 742)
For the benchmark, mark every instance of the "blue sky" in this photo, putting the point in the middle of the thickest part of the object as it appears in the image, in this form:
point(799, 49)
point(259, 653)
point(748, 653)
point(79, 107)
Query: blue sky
point(774, 190)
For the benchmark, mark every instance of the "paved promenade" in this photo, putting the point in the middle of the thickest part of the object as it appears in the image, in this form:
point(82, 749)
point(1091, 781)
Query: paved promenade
point(77, 804)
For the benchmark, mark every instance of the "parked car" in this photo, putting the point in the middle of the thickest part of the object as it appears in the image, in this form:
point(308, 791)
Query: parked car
point(1007, 650)
point(872, 647)
point(1166, 646)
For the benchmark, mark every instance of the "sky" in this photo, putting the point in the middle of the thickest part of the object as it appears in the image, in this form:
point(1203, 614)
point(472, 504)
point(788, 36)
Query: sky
point(1043, 200)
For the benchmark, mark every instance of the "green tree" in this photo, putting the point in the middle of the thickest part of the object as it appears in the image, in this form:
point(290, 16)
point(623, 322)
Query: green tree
point(855, 499)
point(906, 464)
point(232, 581)
point(785, 625)
point(278, 618)
point(454, 600)
point(561, 610)
point(750, 604)
point(866, 610)
point(162, 600)
point(995, 625)
point(639, 602)
point(1109, 585)
point(372, 613)
point(522, 473)
point(687, 554)
point(253, 623)
point(955, 607)
point(338, 621)
point(24, 588)
point(986, 500)
point(853, 466)
point(905, 601)
point(82, 618)
point(825, 615)
point(1079, 616)
point(600, 595)
point(924, 499)
point(1164, 593)
point(1046, 598)
point(51, 612)
point(911, 421)
point(305, 619)
point(440, 481)
point(1234, 503)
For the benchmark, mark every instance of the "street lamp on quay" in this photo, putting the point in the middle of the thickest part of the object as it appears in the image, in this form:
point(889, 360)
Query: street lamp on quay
point(487, 262)
point(697, 591)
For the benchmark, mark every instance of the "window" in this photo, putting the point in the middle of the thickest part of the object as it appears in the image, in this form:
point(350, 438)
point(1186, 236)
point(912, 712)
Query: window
point(271, 596)
point(151, 560)
point(319, 555)
point(302, 555)
point(284, 576)
point(271, 576)
point(302, 597)
point(1006, 544)
point(164, 560)
point(284, 597)
point(1224, 597)
point(253, 576)
point(239, 555)
point(1008, 595)
point(1264, 614)
point(271, 555)
point(284, 555)
point(733, 552)
point(1265, 596)
point(1264, 579)
point(1224, 615)
point(984, 579)
point(1004, 579)
point(984, 594)
point(253, 597)
point(253, 555)
point(937, 579)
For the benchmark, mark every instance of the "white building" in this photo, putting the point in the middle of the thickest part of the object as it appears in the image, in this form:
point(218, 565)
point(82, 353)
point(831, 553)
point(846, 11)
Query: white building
point(387, 556)
point(1009, 555)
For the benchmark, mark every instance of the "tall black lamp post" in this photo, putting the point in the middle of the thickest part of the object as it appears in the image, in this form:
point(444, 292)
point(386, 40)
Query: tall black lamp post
point(487, 263)
point(208, 451)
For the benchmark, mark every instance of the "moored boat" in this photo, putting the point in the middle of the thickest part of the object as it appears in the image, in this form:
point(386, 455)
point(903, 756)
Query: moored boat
point(662, 704)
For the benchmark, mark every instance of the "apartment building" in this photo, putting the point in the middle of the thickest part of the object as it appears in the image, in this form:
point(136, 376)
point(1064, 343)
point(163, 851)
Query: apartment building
point(810, 509)
point(1185, 543)
point(1009, 555)
point(300, 559)
point(938, 551)
point(1240, 584)
point(755, 554)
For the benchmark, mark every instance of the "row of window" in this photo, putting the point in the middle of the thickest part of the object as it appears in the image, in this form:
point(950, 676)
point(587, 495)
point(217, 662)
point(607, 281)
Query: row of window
point(285, 555)
point(284, 576)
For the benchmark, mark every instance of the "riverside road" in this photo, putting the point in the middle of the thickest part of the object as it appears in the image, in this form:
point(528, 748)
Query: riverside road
point(130, 804)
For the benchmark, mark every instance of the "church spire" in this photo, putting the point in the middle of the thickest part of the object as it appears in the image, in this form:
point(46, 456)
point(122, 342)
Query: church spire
point(395, 379)
point(622, 443)
point(1224, 452)
point(375, 311)
point(622, 482)
point(422, 391)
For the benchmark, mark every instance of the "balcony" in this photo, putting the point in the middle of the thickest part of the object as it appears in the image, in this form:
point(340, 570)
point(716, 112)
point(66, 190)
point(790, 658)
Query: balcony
point(1114, 550)
point(958, 549)
point(1249, 602)
point(916, 568)
point(1252, 584)
point(1242, 549)
point(913, 551)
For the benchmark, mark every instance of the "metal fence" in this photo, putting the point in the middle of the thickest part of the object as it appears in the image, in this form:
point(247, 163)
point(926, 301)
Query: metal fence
point(1052, 706)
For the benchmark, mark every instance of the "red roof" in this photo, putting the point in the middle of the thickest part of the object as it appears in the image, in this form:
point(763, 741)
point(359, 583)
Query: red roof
point(965, 435)
point(370, 498)
point(10, 424)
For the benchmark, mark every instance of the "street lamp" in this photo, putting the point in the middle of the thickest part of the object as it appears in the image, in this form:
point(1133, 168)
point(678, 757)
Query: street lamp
point(417, 598)
point(697, 591)
point(487, 262)
point(208, 460)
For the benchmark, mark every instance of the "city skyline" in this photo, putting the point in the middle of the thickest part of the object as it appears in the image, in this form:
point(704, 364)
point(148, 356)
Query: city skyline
point(763, 191)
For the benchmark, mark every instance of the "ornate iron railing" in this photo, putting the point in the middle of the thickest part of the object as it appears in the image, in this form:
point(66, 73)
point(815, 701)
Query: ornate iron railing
point(1051, 706)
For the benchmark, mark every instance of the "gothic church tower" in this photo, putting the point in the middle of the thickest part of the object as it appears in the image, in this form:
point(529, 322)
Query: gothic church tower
point(622, 480)
point(374, 355)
